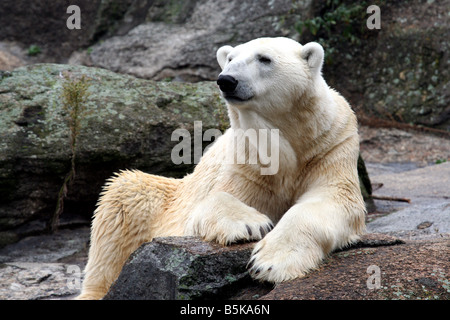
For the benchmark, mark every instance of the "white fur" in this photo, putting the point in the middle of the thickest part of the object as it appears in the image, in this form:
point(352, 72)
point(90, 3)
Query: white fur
point(314, 198)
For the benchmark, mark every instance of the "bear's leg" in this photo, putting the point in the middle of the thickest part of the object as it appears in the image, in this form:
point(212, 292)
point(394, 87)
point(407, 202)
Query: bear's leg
point(306, 233)
point(122, 222)
point(223, 218)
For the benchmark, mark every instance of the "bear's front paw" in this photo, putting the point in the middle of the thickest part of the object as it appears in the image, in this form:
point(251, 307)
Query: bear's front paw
point(224, 219)
point(278, 258)
point(228, 231)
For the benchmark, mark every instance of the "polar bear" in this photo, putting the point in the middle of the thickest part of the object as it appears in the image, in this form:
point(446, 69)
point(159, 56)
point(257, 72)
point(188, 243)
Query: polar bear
point(309, 207)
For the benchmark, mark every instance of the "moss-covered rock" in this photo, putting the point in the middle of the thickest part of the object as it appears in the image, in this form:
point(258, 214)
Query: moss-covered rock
point(128, 124)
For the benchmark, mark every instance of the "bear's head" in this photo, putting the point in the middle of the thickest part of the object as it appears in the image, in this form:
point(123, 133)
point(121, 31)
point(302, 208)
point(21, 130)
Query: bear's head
point(269, 73)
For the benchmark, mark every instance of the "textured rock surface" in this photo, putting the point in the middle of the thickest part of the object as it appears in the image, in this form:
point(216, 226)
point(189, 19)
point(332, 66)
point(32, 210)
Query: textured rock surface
point(36, 281)
point(44, 267)
point(178, 39)
point(397, 72)
point(410, 271)
point(187, 268)
point(182, 268)
point(128, 125)
point(43, 23)
point(424, 256)
point(176, 267)
point(408, 83)
point(428, 213)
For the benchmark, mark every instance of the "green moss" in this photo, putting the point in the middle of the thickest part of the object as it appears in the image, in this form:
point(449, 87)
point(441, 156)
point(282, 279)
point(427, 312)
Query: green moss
point(34, 50)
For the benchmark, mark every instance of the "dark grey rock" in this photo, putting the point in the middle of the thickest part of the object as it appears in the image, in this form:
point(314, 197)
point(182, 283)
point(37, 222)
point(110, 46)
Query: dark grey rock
point(50, 34)
point(182, 268)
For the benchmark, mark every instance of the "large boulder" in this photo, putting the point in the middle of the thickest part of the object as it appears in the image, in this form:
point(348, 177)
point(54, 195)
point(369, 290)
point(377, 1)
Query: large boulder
point(128, 125)
point(178, 39)
point(182, 268)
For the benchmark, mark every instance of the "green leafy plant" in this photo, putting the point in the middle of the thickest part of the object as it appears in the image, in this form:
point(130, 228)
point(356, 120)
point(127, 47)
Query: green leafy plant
point(34, 50)
point(74, 96)
point(337, 23)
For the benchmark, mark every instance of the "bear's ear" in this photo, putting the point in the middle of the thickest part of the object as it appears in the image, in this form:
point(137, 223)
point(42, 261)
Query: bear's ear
point(222, 54)
point(313, 53)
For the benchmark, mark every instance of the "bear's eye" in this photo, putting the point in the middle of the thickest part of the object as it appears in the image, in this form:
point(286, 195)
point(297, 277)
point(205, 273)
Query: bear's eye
point(264, 59)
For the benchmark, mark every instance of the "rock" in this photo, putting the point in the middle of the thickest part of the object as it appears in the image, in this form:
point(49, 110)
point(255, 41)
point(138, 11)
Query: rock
point(8, 61)
point(409, 83)
point(410, 271)
point(128, 124)
point(44, 266)
point(418, 88)
point(427, 189)
point(399, 149)
point(418, 184)
point(188, 268)
point(37, 281)
point(398, 72)
point(161, 269)
point(178, 39)
point(44, 24)
point(64, 246)
point(182, 268)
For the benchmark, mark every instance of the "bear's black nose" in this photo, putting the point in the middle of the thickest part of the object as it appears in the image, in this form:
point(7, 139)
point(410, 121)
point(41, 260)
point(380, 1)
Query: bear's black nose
point(227, 83)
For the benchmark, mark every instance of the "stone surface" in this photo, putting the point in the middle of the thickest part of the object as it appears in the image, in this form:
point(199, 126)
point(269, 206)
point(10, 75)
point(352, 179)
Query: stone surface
point(64, 246)
point(37, 281)
point(427, 190)
point(44, 24)
point(395, 150)
point(397, 72)
point(128, 125)
point(182, 268)
point(161, 39)
point(179, 39)
point(188, 268)
point(408, 83)
point(410, 271)
point(44, 267)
